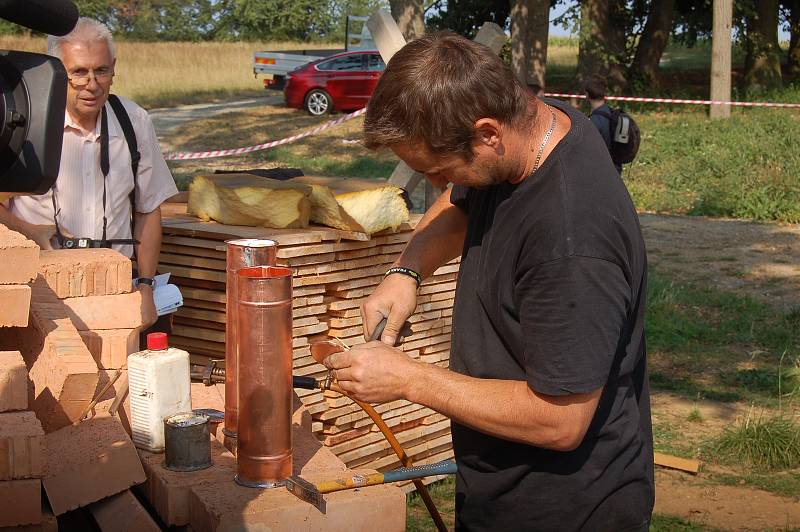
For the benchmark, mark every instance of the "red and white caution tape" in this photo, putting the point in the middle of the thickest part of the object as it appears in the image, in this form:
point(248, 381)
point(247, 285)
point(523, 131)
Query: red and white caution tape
point(185, 156)
point(679, 100)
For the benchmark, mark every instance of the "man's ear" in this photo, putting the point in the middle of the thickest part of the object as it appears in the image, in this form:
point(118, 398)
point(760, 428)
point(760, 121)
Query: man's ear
point(488, 131)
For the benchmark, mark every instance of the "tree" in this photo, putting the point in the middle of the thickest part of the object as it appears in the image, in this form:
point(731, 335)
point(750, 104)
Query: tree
point(793, 22)
point(530, 29)
point(653, 42)
point(466, 16)
point(763, 53)
point(409, 17)
point(602, 41)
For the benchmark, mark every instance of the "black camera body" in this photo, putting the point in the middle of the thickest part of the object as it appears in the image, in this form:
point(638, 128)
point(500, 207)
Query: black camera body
point(33, 94)
point(33, 98)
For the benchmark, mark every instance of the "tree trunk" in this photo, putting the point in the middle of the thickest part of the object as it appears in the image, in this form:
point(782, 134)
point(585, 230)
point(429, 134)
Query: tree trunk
point(601, 44)
point(409, 17)
point(653, 42)
point(793, 62)
point(763, 63)
point(530, 28)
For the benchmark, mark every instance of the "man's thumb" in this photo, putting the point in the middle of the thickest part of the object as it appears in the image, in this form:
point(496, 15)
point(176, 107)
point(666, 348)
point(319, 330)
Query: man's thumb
point(391, 331)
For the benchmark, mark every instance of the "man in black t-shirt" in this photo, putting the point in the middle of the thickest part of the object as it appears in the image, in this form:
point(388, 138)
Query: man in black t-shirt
point(547, 387)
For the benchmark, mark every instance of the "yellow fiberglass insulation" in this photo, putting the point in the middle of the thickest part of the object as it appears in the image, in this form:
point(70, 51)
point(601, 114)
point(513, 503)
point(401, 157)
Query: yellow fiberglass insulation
point(377, 209)
point(244, 199)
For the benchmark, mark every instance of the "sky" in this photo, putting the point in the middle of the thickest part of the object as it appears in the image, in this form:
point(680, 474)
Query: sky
point(558, 31)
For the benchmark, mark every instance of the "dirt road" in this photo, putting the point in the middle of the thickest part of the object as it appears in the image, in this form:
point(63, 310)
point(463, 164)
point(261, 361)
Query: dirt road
point(761, 260)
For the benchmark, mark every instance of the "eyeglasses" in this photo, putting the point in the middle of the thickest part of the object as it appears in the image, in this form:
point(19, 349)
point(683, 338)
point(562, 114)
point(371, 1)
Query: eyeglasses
point(82, 76)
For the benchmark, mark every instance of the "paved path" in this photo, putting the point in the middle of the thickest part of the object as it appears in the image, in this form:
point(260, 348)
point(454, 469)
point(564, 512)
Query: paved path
point(166, 119)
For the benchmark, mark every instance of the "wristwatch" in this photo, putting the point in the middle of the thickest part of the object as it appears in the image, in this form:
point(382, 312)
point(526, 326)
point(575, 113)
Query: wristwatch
point(145, 280)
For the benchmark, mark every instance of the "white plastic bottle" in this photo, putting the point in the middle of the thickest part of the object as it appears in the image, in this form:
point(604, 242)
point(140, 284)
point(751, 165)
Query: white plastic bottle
point(159, 387)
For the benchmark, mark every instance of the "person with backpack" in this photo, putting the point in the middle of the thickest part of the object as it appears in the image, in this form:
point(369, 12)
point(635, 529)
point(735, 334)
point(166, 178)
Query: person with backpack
point(618, 129)
point(112, 178)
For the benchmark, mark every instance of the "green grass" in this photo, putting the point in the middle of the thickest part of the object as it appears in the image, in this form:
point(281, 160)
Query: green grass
point(668, 439)
point(743, 167)
point(697, 335)
point(765, 442)
point(442, 493)
point(695, 416)
point(784, 483)
point(664, 523)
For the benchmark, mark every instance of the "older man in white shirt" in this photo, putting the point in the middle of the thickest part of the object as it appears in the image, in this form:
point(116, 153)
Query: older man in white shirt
point(91, 198)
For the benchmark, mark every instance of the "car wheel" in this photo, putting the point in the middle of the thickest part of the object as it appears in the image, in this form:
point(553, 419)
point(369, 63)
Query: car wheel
point(318, 102)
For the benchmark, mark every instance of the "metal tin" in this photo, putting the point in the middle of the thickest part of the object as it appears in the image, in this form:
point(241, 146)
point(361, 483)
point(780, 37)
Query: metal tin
point(240, 253)
point(187, 442)
point(264, 446)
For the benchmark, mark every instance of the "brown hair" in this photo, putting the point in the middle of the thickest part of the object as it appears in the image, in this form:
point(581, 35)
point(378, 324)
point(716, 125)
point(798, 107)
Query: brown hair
point(434, 90)
point(595, 88)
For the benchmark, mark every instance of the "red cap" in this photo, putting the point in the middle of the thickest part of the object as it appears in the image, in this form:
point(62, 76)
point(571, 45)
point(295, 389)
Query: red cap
point(157, 341)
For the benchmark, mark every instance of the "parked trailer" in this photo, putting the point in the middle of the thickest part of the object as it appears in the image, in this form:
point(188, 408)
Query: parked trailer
point(274, 65)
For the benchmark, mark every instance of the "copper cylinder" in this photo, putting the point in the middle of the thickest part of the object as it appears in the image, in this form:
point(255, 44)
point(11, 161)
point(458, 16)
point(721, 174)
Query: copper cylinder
point(264, 446)
point(240, 253)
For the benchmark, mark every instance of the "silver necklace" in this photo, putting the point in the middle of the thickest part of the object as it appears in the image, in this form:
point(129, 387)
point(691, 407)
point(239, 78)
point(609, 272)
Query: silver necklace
point(545, 140)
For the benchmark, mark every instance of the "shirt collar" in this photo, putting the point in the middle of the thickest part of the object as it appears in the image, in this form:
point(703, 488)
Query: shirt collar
point(114, 129)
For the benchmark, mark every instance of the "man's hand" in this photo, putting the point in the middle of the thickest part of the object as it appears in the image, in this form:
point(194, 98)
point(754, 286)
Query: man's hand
point(373, 372)
point(43, 234)
point(149, 312)
point(395, 299)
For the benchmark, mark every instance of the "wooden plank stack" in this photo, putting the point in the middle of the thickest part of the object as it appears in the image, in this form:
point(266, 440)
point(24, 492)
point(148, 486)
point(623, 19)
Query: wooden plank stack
point(333, 272)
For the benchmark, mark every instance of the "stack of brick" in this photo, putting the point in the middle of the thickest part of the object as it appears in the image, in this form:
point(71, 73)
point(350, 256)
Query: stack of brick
point(20, 259)
point(84, 320)
point(70, 316)
point(21, 434)
point(21, 446)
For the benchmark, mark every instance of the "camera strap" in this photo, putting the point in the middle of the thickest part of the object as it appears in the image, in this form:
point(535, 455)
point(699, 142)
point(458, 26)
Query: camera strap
point(105, 167)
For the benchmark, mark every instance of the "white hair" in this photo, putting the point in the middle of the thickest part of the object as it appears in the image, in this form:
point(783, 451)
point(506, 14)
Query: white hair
point(86, 30)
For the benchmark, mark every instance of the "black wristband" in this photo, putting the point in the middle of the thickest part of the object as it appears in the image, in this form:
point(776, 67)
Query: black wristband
point(149, 281)
point(405, 271)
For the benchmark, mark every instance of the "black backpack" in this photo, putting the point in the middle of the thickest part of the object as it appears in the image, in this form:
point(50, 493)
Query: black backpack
point(625, 135)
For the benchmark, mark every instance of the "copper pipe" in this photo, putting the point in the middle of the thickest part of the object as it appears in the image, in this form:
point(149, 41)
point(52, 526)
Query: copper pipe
point(240, 253)
point(264, 447)
point(320, 351)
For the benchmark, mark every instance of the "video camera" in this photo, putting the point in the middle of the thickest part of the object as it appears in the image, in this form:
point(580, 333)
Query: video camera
point(33, 95)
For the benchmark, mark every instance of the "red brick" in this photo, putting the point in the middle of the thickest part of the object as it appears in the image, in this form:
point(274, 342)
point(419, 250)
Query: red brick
point(89, 462)
point(21, 446)
point(16, 249)
point(61, 369)
point(122, 512)
point(85, 272)
point(49, 522)
point(15, 302)
point(13, 382)
point(168, 491)
point(27, 502)
point(111, 347)
point(238, 508)
point(121, 311)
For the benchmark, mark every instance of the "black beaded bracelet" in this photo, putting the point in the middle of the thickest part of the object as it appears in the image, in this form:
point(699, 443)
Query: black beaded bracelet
point(405, 271)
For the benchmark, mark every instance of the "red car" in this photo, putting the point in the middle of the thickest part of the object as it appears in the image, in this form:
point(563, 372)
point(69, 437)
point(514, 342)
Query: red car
point(343, 82)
